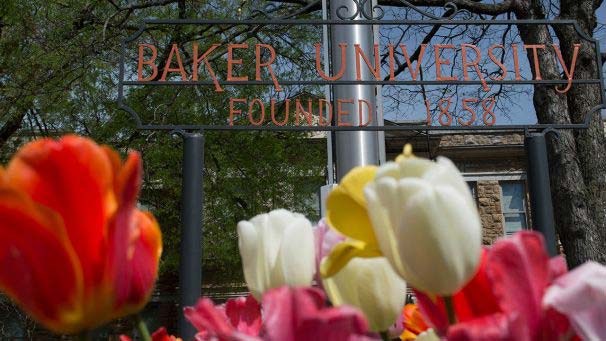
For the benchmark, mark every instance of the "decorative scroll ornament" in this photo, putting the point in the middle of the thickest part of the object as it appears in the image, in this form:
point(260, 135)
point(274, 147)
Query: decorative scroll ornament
point(361, 9)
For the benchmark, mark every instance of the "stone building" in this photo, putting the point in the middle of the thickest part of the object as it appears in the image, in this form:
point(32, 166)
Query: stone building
point(494, 166)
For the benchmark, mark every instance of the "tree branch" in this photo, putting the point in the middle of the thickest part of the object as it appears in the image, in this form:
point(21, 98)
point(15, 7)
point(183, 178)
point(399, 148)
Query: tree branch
point(474, 6)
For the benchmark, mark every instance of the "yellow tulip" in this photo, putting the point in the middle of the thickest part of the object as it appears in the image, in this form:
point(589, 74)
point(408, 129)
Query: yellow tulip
point(347, 213)
point(371, 285)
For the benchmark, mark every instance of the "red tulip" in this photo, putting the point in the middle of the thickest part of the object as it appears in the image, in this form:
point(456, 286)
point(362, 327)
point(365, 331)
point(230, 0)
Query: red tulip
point(74, 251)
point(504, 299)
point(159, 335)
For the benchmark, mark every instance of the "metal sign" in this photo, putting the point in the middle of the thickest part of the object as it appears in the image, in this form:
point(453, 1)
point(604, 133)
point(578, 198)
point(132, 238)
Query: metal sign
point(473, 113)
point(357, 143)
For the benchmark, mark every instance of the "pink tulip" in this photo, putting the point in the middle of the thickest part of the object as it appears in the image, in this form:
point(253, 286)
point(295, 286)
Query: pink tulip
point(289, 314)
point(300, 314)
point(238, 320)
point(325, 239)
point(581, 296)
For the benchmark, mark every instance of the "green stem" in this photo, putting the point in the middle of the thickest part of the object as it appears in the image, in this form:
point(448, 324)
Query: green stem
point(384, 336)
point(452, 319)
point(142, 328)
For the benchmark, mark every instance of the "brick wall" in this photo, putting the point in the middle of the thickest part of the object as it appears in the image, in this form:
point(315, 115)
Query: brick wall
point(489, 207)
point(481, 140)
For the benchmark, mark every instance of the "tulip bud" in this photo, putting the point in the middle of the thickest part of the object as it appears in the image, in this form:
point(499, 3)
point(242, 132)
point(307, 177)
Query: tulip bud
point(76, 252)
point(277, 248)
point(426, 223)
point(371, 285)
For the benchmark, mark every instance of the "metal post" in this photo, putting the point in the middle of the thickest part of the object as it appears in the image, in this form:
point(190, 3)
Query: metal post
point(540, 192)
point(192, 201)
point(353, 148)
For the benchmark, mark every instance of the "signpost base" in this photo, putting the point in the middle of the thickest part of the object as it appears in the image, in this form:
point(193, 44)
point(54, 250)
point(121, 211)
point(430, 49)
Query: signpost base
point(192, 200)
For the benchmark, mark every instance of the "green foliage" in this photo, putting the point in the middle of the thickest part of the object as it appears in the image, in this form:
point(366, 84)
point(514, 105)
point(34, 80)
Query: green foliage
point(58, 73)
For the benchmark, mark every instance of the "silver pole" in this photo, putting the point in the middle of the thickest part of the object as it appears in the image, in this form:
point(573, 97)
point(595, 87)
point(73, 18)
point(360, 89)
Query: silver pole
point(380, 118)
point(330, 167)
point(329, 162)
point(353, 148)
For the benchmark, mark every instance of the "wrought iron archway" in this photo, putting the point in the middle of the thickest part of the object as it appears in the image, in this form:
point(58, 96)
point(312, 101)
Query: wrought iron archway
point(363, 12)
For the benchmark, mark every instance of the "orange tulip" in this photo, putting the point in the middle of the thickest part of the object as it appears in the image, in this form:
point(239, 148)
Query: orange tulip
point(414, 323)
point(75, 252)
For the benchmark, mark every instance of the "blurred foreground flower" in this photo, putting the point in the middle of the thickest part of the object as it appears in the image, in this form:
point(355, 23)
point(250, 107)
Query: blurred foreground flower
point(414, 323)
point(277, 248)
point(581, 295)
point(75, 253)
point(237, 319)
point(507, 297)
point(417, 213)
point(369, 284)
point(346, 212)
point(289, 314)
point(159, 335)
point(426, 222)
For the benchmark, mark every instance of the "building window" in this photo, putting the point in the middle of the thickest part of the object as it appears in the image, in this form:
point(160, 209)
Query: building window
point(473, 187)
point(513, 203)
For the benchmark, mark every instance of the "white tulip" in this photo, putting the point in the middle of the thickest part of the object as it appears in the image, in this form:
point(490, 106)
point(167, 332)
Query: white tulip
point(371, 285)
point(277, 249)
point(426, 223)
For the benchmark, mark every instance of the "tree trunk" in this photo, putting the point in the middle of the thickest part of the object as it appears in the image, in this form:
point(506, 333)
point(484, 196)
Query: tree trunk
point(10, 127)
point(577, 166)
point(591, 143)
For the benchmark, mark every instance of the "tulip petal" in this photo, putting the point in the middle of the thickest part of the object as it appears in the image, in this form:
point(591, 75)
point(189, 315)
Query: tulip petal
point(371, 285)
point(581, 296)
point(72, 176)
point(244, 313)
point(299, 314)
point(135, 242)
point(325, 240)
point(135, 279)
point(38, 266)
point(491, 327)
point(447, 174)
point(346, 206)
point(518, 268)
point(251, 261)
point(439, 222)
point(205, 317)
point(297, 253)
point(414, 167)
point(353, 183)
point(476, 298)
point(343, 252)
point(386, 197)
